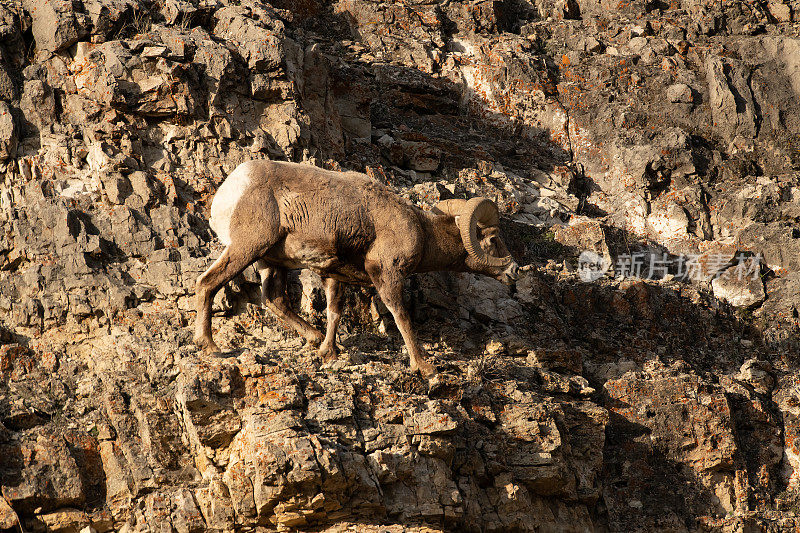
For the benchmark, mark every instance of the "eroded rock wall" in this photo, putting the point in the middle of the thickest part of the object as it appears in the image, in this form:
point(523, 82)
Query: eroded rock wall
point(656, 129)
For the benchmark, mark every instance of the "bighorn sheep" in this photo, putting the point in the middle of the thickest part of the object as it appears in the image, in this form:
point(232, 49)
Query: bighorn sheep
point(348, 228)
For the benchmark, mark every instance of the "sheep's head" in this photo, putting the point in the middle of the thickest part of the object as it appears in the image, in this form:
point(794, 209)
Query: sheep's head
point(478, 222)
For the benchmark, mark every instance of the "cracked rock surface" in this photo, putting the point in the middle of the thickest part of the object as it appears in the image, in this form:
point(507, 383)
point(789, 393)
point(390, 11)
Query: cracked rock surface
point(663, 137)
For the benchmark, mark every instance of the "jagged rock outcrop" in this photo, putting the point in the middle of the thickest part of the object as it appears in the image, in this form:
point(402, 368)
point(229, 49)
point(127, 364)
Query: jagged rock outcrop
point(661, 137)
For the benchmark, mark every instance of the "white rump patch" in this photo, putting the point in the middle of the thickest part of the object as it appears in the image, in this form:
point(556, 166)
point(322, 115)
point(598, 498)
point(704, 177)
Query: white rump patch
point(228, 195)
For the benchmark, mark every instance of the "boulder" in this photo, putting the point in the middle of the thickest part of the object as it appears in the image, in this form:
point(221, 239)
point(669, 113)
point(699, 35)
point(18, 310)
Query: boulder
point(116, 74)
point(48, 475)
point(777, 244)
point(55, 24)
point(258, 40)
point(740, 288)
point(216, 67)
point(38, 104)
point(680, 93)
point(731, 99)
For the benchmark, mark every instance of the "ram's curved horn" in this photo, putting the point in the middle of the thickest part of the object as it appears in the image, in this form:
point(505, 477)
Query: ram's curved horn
point(450, 207)
point(471, 214)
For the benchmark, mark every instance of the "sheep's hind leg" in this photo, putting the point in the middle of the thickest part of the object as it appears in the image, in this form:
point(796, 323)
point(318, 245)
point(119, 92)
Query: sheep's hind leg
point(333, 294)
point(273, 292)
point(229, 265)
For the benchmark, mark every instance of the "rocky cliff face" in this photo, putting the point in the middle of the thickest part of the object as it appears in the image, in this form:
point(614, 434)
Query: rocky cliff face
point(664, 137)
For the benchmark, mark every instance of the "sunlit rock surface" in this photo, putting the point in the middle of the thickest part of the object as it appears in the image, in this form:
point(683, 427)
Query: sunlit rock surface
point(660, 395)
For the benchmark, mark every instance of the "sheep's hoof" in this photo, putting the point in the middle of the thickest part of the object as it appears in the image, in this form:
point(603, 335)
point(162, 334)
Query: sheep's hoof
point(212, 350)
point(315, 341)
point(207, 346)
point(426, 369)
point(328, 353)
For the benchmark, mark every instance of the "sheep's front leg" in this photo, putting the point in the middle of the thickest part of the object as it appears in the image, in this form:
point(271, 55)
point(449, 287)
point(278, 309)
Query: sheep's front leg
point(333, 293)
point(390, 289)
